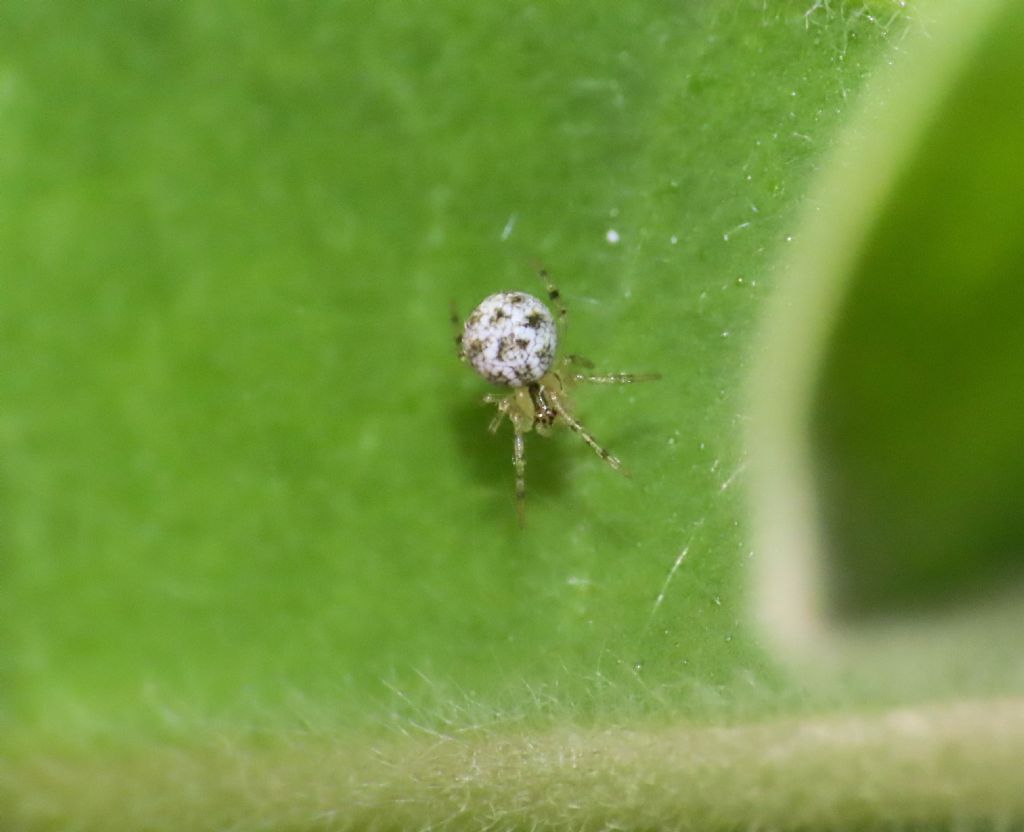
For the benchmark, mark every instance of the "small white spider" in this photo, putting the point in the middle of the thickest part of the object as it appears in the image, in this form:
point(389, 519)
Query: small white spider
point(511, 339)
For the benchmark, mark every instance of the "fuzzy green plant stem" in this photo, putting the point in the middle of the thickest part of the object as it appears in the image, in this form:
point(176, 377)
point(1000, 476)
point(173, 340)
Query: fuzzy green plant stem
point(933, 766)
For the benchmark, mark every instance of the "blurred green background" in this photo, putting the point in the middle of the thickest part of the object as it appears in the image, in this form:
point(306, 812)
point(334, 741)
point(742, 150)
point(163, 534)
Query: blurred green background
point(246, 483)
point(918, 422)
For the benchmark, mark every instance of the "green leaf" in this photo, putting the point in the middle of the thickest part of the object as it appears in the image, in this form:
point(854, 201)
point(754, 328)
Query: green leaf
point(261, 562)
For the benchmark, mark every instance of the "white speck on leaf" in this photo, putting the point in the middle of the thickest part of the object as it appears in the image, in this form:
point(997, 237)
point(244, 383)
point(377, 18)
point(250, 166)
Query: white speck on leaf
point(510, 225)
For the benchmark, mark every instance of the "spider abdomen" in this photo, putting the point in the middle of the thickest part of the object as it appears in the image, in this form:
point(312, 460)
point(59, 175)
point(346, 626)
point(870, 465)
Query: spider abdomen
point(510, 339)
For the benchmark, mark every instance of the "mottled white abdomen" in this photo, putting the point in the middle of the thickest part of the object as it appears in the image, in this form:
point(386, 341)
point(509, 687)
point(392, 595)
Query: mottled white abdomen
point(510, 339)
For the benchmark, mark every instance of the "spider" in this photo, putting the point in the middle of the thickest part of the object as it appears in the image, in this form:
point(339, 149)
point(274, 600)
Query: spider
point(510, 339)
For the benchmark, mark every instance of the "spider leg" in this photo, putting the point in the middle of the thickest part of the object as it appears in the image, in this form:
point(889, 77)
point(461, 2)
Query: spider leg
point(519, 461)
point(502, 403)
point(616, 378)
point(572, 360)
point(453, 316)
point(553, 295)
point(586, 436)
